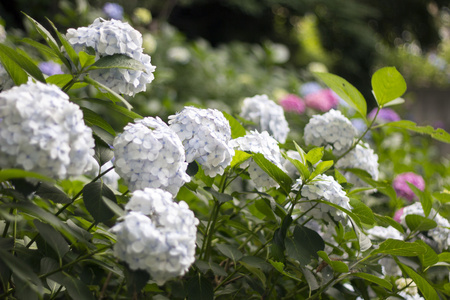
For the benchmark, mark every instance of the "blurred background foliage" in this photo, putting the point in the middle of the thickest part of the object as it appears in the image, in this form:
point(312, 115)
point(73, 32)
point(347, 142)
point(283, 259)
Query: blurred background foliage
point(216, 52)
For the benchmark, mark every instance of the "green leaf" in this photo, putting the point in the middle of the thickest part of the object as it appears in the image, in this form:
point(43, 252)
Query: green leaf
point(363, 212)
point(237, 130)
point(44, 49)
point(363, 241)
point(93, 194)
point(86, 59)
point(239, 157)
point(314, 155)
point(304, 245)
point(136, 280)
point(117, 61)
point(22, 270)
point(346, 91)
point(230, 251)
point(199, 288)
point(429, 257)
point(8, 174)
point(321, 168)
point(25, 63)
point(387, 85)
point(443, 197)
point(438, 134)
point(76, 288)
point(339, 177)
point(50, 192)
point(16, 73)
point(61, 80)
point(273, 171)
point(93, 119)
point(113, 96)
point(67, 46)
point(444, 257)
point(255, 271)
point(300, 167)
point(337, 266)
point(419, 223)
point(279, 266)
point(372, 278)
point(112, 107)
point(427, 290)
point(301, 152)
point(103, 152)
point(221, 197)
point(400, 248)
point(52, 237)
point(385, 220)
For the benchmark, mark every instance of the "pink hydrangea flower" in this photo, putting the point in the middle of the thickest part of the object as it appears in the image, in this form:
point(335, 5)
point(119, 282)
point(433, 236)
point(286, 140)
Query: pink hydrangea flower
point(293, 103)
point(323, 100)
point(398, 214)
point(401, 185)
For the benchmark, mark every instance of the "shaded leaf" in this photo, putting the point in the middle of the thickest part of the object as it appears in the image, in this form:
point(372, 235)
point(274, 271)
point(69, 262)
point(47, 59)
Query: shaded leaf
point(8, 174)
point(273, 171)
point(93, 194)
point(429, 257)
point(118, 61)
point(44, 49)
point(419, 223)
point(25, 63)
point(113, 96)
point(372, 278)
point(363, 212)
point(112, 107)
point(221, 197)
point(52, 237)
point(230, 251)
point(51, 192)
point(427, 290)
point(400, 248)
point(304, 245)
point(91, 118)
point(103, 152)
point(199, 288)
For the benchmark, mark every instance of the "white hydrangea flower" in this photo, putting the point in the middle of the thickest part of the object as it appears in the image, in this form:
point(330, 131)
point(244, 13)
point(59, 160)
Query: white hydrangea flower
point(6, 81)
point(267, 115)
point(41, 131)
point(440, 234)
point(380, 232)
point(323, 187)
point(205, 134)
point(331, 128)
point(150, 154)
point(109, 38)
point(259, 143)
point(291, 170)
point(361, 157)
point(162, 242)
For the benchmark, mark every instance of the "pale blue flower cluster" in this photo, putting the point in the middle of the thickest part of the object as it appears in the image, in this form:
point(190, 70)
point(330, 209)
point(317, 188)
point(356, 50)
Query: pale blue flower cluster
point(361, 157)
point(323, 187)
point(267, 116)
point(157, 235)
point(113, 10)
point(205, 134)
point(50, 68)
point(6, 81)
point(150, 154)
point(41, 131)
point(383, 233)
point(331, 128)
point(109, 38)
point(259, 143)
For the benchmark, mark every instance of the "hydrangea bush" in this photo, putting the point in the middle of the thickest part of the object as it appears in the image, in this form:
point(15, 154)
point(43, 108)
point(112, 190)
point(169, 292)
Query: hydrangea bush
point(202, 205)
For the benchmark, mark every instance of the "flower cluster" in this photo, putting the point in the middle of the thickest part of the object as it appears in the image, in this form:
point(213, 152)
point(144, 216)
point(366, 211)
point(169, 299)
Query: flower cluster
point(293, 103)
point(41, 131)
point(408, 289)
point(361, 157)
point(267, 115)
point(384, 115)
point(149, 154)
point(323, 187)
point(259, 143)
point(322, 100)
point(331, 128)
point(109, 38)
point(6, 81)
point(402, 188)
point(113, 10)
point(440, 234)
point(157, 235)
point(205, 134)
point(383, 233)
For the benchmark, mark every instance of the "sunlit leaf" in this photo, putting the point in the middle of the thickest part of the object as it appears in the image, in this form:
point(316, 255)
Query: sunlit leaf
point(388, 85)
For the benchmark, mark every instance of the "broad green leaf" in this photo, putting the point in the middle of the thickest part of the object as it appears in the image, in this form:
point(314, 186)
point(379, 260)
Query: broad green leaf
point(265, 209)
point(93, 194)
point(400, 248)
point(93, 119)
point(51, 192)
point(199, 288)
point(103, 152)
point(256, 262)
point(419, 223)
point(300, 167)
point(372, 278)
point(304, 244)
point(230, 251)
point(117, 61)
point(22, 270)
point(61, 80)
point(44, 49)
point(429, 257)
point(363, 212)
point(221, 197)
point(388, 84)
point(444, 257)
point(237, 130)
point(239, 157)
point(217, 269)
point(385, 220)
point(363, 240)
point(67, 46)
point(443, 197)
point(86, 59)
point(300, 151)
point(337, 266)
point(346, 91)
point(17, 74)
point(114, 207)
point(112, 107)
point(279, 236)
point(76, 288)
point(52, 237)
point(113, 96)
point(8, 174)
point(279, 266)
point(438, 134)
point(311, 279)
point(273, 171)
point(339, 177)
point(321, 168)
point(314, 155)
point(136, 279)
point(25, 63)
point(255, 271)
point(427, 290)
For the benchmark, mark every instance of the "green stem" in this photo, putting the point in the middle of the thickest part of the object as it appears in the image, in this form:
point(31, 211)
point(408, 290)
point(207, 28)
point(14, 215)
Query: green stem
point(7, 223)
point(360, 138)
point(210, 232)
